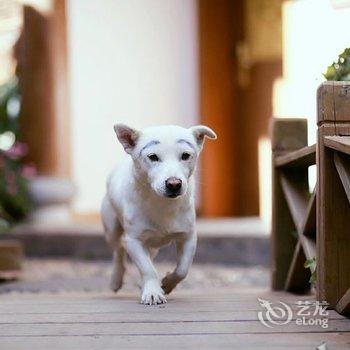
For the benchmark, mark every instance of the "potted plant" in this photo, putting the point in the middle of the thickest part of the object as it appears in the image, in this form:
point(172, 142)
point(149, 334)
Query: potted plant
point(14, 199)
point(340, 70)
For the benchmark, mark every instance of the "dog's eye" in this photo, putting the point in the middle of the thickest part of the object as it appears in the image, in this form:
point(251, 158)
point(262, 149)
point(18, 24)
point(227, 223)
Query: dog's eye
point(185, 156)
point(153, 157)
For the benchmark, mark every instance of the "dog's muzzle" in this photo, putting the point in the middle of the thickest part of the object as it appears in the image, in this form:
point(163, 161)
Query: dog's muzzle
point(173, 187)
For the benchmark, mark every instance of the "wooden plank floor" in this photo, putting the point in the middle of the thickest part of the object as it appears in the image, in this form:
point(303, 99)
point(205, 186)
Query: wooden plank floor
point(213, 319)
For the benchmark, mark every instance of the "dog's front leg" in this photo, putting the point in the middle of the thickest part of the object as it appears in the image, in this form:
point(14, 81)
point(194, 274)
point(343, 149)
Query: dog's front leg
point(152, 293)
point(185, 253)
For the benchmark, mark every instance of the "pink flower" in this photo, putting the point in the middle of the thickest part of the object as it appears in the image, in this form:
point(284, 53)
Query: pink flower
point(28, 171)
point(11, 183)
point(18, 150)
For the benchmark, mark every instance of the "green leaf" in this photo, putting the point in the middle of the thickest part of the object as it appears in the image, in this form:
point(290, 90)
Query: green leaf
point(313, 278)
point(340, 70)
point(311, 264)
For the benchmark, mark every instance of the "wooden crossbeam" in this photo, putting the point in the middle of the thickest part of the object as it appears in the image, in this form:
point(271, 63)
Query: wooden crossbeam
point(338, 143)
point(305, 157)
point(287, 135)
point(297, 273)
point(342, 164)
point(303, 211)
point(309, 247)
point(309, 225)
point(296, 195)
point(343, 305)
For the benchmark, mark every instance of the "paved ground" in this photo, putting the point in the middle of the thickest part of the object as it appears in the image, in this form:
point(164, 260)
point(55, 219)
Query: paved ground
point(48, 275)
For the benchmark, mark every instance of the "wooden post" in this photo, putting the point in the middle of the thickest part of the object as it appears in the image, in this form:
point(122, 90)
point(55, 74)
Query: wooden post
point(333, 210)
point(286, 135)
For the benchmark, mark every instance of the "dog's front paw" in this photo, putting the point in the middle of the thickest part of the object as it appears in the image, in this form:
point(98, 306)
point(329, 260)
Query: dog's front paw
point(152, 294)
point(169, 282)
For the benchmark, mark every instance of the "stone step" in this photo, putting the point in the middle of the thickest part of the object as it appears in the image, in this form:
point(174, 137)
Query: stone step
point(236, 241)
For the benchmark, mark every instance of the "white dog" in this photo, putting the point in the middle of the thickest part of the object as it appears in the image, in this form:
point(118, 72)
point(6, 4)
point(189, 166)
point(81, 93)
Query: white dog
point(150, 202)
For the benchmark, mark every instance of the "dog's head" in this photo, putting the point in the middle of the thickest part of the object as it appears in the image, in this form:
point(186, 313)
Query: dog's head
point(165, 156)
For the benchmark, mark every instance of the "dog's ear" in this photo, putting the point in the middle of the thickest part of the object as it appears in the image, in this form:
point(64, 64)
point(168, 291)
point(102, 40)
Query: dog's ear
point(127, 136)
point(200, 132)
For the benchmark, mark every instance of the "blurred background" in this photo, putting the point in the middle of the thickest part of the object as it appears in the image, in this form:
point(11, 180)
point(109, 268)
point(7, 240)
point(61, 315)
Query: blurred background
point(70, 69)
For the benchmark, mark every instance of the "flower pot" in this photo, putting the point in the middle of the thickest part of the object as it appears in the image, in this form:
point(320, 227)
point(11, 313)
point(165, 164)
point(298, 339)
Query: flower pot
point(11, 259)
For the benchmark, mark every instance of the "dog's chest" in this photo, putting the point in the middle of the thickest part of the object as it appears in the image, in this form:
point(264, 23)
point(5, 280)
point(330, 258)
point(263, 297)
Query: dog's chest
point(169, 220)
point(156, 239)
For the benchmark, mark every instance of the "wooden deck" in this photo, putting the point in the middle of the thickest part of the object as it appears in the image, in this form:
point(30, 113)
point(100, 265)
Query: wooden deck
point(211, 319)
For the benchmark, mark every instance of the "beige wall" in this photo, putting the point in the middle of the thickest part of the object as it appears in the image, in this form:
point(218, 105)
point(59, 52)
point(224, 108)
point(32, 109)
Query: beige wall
point(315, 32)
point(130, 61)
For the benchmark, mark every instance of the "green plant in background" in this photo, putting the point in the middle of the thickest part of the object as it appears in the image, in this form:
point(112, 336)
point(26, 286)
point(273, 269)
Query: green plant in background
point(340, 70)
point(14, 200)
point(311, 264)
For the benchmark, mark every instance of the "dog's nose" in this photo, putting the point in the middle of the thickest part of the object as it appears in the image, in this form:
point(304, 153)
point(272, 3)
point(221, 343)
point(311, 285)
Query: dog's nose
point(173, 184)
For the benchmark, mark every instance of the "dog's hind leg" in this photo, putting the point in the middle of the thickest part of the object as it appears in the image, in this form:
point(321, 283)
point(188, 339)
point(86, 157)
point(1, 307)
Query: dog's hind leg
point(118, 268)
point(113, 233)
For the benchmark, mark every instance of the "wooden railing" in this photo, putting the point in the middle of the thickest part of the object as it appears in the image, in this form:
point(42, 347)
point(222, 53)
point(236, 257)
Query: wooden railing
point(294, 206)
point(313, 224)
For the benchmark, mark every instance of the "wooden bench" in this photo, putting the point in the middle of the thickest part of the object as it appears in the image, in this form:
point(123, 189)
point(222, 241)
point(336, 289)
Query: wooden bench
point(313, 224)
